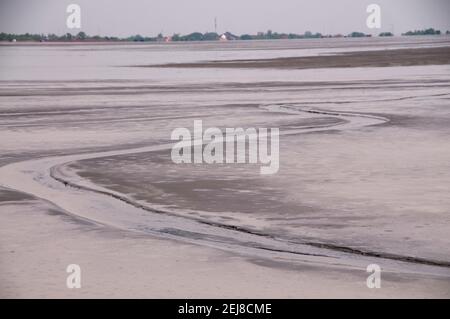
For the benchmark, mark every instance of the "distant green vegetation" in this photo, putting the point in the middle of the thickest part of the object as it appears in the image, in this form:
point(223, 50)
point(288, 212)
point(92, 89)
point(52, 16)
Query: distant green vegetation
point(81, 36)
point(358, 35)
point(269, 35)
point(20, 37)
point(195, 36)
point(429, 31)
point(139, 38)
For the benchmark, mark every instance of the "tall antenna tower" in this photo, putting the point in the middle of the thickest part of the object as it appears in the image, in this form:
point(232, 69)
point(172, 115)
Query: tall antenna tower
point(215, 24)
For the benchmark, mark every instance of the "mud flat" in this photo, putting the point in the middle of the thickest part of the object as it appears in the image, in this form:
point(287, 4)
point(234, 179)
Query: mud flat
point(376, 58)
point(86, 175)
point(122, 264)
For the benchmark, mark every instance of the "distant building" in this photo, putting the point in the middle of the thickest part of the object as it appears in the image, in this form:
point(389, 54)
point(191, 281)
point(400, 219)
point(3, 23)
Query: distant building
point(227, 36)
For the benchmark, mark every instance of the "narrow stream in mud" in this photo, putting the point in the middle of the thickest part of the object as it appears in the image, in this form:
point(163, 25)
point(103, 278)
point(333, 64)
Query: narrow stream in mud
point(51, 180)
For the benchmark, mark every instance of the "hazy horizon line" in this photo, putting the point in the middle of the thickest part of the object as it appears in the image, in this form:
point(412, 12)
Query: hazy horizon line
point(74, 33)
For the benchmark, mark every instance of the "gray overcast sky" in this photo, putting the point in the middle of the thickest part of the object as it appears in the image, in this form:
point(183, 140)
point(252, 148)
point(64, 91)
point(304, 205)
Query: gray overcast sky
point(149, 17)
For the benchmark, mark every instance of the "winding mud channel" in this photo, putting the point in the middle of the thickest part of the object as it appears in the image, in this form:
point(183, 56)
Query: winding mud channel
point(50, 180)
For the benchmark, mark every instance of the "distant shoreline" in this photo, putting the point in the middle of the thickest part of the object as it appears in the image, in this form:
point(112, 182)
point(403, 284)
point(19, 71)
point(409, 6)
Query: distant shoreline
point(128, 42)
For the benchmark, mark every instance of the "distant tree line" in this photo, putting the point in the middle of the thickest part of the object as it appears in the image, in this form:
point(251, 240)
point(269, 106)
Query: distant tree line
point(357, 35)
point(81, 36)
point(429, 31)
point(196, 36)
